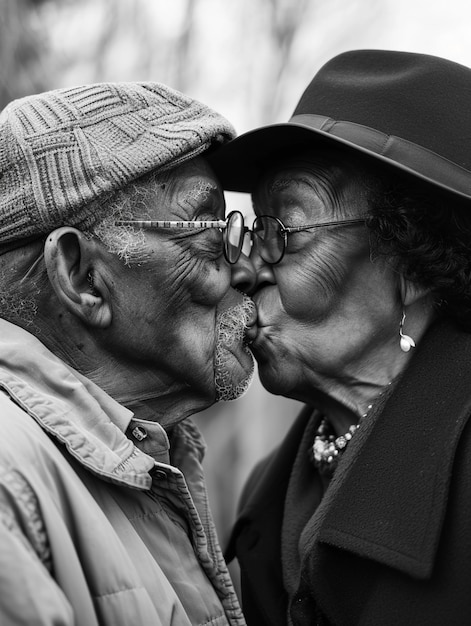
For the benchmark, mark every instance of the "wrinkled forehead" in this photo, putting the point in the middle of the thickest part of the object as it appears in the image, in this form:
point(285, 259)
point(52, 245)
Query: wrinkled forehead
point(328, 184)
point(326, 173)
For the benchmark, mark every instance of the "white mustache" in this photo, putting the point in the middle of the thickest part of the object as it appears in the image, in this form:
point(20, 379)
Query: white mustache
point(233, 322)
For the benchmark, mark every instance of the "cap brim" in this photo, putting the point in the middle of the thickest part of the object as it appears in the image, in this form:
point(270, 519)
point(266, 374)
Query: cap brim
point(239, 163)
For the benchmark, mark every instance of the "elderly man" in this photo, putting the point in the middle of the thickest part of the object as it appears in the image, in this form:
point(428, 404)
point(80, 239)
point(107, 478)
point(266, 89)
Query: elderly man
point(118, 323)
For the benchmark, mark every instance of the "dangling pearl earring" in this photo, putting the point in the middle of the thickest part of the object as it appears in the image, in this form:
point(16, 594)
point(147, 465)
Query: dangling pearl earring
point(406, 342)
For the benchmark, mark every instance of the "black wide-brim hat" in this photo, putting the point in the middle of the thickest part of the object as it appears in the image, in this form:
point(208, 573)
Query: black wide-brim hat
point(410, 111)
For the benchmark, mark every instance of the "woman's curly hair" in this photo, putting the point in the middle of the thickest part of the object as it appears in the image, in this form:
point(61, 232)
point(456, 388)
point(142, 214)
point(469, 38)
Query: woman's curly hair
point(427, 234)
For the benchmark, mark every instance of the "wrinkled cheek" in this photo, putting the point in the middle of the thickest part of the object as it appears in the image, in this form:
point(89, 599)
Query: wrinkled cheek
point(196, 347)
point(316, 284)
point(209, 295)
point(208, 285)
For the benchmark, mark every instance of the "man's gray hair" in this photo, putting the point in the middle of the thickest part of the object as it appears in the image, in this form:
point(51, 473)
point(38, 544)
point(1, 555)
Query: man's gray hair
point(23, 276)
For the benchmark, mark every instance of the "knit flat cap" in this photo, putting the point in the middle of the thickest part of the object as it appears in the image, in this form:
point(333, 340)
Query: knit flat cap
point(62, 150)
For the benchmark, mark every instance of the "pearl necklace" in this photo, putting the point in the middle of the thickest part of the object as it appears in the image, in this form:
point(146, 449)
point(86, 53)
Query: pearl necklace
point(327, 449)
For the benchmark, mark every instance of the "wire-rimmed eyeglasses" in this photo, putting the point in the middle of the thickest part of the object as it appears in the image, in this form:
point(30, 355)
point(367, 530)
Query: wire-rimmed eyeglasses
point(270, 235)
point(232, 228)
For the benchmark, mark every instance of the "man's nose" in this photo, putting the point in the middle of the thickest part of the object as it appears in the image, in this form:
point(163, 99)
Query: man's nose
point(251, 273)
point(244, 275)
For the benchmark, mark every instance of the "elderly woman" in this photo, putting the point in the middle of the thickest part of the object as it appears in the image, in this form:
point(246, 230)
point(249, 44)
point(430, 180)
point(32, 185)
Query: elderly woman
point(361, 273)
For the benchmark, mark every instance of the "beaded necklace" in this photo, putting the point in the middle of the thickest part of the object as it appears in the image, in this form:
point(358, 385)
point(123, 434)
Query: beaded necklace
point(327, 448)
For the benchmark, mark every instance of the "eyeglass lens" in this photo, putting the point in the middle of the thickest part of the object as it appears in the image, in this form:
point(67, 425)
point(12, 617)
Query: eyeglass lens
point(268, 238)
point(234, 236)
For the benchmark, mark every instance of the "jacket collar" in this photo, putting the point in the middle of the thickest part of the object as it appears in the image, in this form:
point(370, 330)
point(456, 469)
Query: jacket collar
point(71, 408)
point(391, 501)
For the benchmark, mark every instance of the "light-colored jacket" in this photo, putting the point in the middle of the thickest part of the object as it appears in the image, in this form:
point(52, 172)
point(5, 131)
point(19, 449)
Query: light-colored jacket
point(95, 530)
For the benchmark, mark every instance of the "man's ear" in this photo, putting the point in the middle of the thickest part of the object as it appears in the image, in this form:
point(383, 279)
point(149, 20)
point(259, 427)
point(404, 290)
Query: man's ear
point(72, 270)
point(411, 292)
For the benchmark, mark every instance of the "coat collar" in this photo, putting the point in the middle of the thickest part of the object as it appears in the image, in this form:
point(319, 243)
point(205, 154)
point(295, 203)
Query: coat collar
point(391, 502)
point(257, 532)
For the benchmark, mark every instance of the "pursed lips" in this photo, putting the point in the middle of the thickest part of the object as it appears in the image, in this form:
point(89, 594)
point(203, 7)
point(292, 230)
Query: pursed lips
point(254, 333)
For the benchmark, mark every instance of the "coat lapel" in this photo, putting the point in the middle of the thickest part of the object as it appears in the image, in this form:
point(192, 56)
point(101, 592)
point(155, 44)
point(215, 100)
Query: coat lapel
point(391, 503)
point(256, 538)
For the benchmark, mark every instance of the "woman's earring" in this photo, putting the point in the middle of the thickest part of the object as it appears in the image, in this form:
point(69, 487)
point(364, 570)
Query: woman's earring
point(406, 342)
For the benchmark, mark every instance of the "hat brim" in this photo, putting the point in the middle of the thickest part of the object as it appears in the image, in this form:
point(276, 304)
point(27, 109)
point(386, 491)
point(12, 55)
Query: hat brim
point(239, 163)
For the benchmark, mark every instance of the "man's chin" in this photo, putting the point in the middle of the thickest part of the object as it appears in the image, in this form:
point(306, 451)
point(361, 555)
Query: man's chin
point(233, 362)
point(233, 377)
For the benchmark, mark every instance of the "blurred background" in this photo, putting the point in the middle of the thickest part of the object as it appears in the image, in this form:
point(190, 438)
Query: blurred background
point(248, 59)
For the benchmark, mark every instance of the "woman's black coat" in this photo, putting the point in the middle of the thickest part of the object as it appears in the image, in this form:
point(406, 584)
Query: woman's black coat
point(394, 545)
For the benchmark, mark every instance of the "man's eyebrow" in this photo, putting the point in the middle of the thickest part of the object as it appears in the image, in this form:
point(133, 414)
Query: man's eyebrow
point(200, 192)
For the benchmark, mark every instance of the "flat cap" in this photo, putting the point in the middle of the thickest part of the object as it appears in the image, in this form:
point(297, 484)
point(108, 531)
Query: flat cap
point(62, 150)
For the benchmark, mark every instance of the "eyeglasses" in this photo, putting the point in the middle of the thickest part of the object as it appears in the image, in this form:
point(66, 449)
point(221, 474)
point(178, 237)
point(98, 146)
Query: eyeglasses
point(232, 228)
point(270, 235)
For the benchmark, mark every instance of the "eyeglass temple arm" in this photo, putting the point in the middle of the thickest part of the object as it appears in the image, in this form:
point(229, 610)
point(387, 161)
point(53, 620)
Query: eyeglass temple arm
point(293, 229)
point(173, 223)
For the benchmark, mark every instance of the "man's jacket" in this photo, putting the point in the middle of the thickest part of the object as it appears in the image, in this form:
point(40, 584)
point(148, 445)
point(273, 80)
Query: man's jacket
point(93, 529)
point(390, 543)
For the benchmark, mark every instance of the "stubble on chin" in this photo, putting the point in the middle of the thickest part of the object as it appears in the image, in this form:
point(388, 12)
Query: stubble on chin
point(230, 332)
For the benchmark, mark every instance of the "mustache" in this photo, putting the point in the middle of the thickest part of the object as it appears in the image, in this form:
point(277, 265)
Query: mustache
point(233, 322)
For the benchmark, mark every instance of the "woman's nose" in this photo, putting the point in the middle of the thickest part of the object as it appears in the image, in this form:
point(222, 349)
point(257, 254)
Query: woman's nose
point(250, 273)
point(243, 275)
